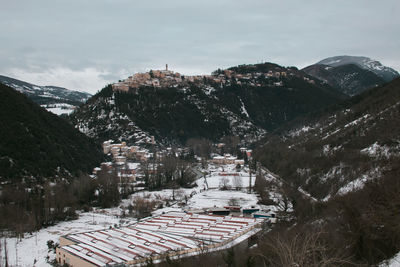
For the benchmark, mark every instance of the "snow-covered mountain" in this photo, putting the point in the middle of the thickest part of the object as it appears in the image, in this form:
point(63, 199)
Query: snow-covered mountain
point(55, 99)
point(386, 73)
point(350, 79)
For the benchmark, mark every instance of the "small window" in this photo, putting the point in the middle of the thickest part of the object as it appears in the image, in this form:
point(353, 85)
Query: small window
point(131, 246)
point(162, 241)
point(147, 243)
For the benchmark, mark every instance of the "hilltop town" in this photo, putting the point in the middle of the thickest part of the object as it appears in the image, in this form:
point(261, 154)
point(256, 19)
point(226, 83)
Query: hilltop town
point(168, 78)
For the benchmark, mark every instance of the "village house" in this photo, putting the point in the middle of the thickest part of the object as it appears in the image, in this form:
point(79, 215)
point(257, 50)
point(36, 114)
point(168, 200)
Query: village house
point(225, 159)
point(120, 160)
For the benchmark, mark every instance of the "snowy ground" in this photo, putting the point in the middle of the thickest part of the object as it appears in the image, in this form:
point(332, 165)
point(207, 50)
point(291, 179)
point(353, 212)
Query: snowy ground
point(217, 198)
point(234, 178)
point(33, 248)
point(393, 262)
point(59, 109)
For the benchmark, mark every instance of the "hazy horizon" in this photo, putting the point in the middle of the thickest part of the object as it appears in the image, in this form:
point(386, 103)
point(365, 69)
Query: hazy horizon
point(85, 45)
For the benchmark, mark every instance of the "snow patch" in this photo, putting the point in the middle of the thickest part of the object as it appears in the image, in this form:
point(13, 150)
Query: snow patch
point(378, 151)
point(359, 183)
point(393, 262)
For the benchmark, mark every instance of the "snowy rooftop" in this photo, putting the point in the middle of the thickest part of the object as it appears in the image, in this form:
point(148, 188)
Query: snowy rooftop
point(168, 233)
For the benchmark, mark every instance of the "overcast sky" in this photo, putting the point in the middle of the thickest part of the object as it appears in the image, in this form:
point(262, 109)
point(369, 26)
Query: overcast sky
point(85, 44)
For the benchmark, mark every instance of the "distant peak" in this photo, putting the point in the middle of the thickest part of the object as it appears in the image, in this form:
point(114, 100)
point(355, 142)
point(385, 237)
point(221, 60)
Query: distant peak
point(386, 73)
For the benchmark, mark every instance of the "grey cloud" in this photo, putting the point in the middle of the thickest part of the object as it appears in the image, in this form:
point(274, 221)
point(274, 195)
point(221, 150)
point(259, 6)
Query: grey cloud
point(122, 36)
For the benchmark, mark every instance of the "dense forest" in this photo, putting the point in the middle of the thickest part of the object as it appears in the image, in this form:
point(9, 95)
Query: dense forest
point(36, 143)
point(43, 165)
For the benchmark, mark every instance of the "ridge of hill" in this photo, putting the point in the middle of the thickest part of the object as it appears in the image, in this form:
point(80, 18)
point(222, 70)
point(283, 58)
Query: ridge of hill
point(55, 99)
point(36, 144)
point(339, 150)
point(244, 101)
point(386, 73)
point(349, 79)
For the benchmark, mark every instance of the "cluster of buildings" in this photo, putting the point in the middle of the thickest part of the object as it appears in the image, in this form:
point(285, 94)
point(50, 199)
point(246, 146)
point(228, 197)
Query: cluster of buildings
point(127, 160)
point(120, 151)
point(227, 159)
point(166, 78)
point(155, 78)
point(172, 234)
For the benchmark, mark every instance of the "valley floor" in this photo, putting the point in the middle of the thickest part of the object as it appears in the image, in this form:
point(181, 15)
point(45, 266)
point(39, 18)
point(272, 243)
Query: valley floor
point(32, 250)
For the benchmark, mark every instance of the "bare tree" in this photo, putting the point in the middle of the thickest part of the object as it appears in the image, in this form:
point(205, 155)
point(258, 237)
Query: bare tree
point(142, 207)
point(307, 248)
point(5, 253)
point(108, 188)
point(233, 202)
point(169, 167)
point(185, 174)
point(231, 143)
point(237, 182)
point(201, 147)
point(224, 183)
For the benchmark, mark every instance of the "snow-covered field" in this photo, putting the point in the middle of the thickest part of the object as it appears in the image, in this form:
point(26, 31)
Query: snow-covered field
point(218, 175)
point(32, 249)
point(217, 198)
point(59, 109)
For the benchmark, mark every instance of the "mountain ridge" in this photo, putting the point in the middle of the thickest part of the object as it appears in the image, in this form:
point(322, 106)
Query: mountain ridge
point(56, 99)
point(350, 78)
point(386, 73)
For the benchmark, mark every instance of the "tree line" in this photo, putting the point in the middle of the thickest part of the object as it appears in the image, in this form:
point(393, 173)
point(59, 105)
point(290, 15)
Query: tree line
point(26, 208)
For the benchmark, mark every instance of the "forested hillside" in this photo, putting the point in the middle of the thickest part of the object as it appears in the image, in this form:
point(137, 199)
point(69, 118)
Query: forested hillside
point(339, 150)
point(340, 171)
point(37, 144)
